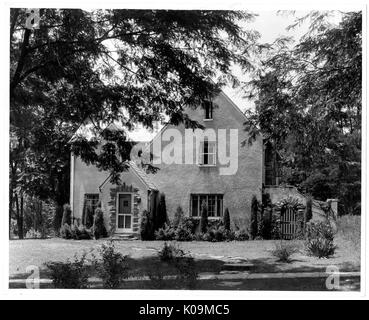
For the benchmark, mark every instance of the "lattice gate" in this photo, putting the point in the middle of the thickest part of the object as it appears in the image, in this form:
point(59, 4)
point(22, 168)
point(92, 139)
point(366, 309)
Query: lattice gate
point(289, 224)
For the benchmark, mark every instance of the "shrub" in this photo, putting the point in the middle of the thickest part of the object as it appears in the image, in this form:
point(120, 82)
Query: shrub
point(84, 233)
point(162, 218)
point(170, 252)
point(308, 210)
point(113, 267)
point(184, 231)
point(147, 230)
point(319, 239)
point(34, 234)
point(241, 235)
point(254, 217)
point(167, 233)
point(204, 218)
point(69, 275)
point(67, 215)
point(266, 225)
point(66, 231)
point(178, 217)
point(98, 228)
point(227, 220)
point(284, 251)
point(80, 233)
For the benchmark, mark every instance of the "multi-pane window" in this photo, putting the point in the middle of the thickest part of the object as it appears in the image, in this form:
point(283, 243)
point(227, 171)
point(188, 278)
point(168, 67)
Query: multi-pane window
point(214, 203)
point(208, 109)
point(208, 154)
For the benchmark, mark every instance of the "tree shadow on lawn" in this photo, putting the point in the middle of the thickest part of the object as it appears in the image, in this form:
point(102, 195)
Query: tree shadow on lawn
point(270, 265)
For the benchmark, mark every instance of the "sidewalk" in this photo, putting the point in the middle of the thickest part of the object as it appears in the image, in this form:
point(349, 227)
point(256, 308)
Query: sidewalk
point(223, 276)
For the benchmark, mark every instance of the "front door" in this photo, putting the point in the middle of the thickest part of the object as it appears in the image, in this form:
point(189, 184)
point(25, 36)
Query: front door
point(125, 212)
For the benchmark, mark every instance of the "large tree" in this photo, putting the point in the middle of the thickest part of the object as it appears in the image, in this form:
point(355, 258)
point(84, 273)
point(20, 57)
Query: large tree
point(104, 66)
point(308, 104)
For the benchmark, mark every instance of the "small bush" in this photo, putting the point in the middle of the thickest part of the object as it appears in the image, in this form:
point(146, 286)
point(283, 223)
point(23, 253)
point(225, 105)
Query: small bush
point(161, 217)
point(308, 209)
point(241, 235)
point(204, 218)
point(170, 252)
point(319, 239)
point(34, 234)
point(284, 252)
point(178, 217)
point(98, 228)
point(254, 217)
point(147, 230)
point(69, 275)
point(80, 233)
point(66, 231)
point(227, 220)
point(67, 215)
point(84, 233)
point(184, 232)
point(112, 268)
point(166, 234)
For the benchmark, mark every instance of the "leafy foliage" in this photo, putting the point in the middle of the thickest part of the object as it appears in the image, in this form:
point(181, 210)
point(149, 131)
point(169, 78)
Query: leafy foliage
point(112, 267)
point(227, 220)
point(284, 251)
point(319, 239)
point(146, 229)
point(254, 217)
point(69, 275)
point(178, 216)
point(170, 252)
point(99, 67)
point(308, 105)
point(204, 218)
point(98, 229)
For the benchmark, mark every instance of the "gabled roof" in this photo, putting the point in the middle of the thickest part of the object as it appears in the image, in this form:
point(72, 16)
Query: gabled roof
point(142, 175)
point(139, 173)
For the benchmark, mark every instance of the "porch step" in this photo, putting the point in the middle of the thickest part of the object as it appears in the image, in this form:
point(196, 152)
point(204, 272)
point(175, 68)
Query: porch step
point(237, 266)
point(125, 237)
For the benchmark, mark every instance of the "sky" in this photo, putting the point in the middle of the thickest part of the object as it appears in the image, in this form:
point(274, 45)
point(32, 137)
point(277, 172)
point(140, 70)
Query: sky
point(271, 25)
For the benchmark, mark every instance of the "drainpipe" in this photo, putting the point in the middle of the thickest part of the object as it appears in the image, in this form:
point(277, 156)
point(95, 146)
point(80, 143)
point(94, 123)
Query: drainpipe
point(71, 187)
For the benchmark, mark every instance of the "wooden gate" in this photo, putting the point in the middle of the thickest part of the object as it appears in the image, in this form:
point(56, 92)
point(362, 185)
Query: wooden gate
point(288, 223)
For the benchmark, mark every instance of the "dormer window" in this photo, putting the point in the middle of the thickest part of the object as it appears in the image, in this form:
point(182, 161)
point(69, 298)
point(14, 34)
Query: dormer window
point(208, 109)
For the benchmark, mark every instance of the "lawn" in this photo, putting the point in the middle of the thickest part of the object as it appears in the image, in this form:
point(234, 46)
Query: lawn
point(209, 256)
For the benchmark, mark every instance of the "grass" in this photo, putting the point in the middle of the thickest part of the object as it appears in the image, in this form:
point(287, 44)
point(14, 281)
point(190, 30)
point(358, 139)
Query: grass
point(349, 229)
point(209, 257)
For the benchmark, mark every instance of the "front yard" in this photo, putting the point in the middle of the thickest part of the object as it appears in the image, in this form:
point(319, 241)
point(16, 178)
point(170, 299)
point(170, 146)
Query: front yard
point(209, 256)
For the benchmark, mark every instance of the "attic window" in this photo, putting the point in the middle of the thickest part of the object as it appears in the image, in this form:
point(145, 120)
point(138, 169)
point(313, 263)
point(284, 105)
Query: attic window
point(208, 109)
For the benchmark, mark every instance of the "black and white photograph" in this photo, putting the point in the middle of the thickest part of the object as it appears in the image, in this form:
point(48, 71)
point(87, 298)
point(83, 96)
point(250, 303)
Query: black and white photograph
point(193, 149)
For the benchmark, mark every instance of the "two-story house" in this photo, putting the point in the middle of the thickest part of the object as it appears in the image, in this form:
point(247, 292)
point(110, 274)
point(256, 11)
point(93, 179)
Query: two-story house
point(209, 165)
point(214, 168)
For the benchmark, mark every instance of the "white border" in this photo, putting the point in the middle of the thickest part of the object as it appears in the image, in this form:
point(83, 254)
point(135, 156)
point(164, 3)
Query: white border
point(172, 294)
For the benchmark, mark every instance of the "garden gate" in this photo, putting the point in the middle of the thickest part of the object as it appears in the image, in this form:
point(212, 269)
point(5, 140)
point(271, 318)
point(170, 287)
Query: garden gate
point(289, 223)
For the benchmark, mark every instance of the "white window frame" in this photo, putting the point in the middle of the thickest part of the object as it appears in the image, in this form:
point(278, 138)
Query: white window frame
point(124, 230)
point(199, 195)
point(213, 153)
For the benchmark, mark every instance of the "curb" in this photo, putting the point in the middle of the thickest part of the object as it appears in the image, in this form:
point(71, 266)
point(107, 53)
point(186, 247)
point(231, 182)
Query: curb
point(224, 276)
